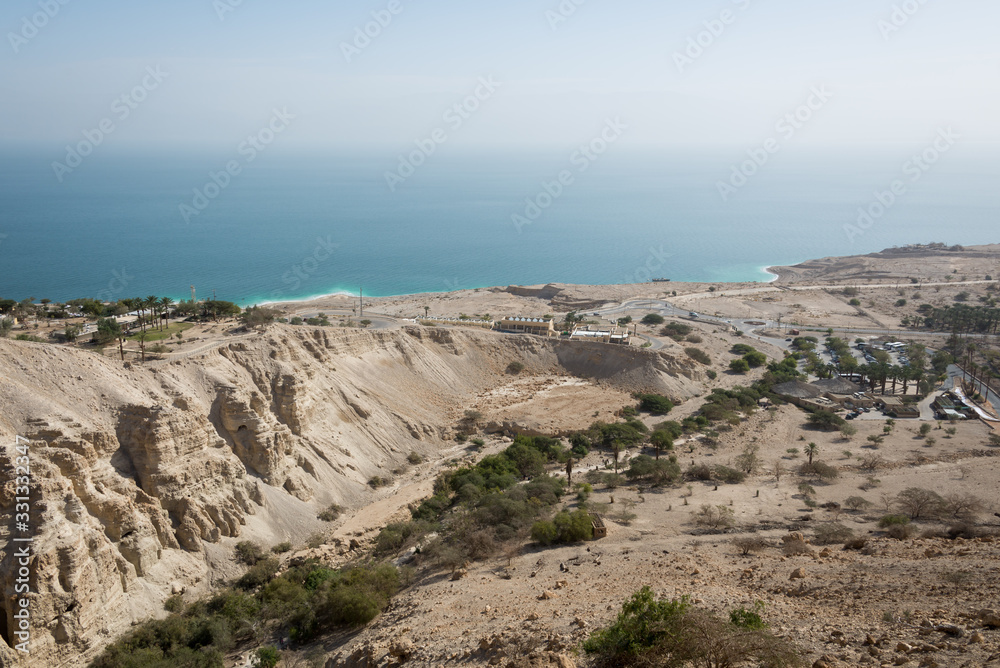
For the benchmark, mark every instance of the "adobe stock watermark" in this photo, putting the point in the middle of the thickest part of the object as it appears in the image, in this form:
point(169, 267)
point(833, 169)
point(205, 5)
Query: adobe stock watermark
point(22, 538)
point(914, 168)
point(309, 265)
point(900, 16)
point(581, 159)
point(714, 28)
point(248, 149)
point(654, 262)
point(119, 281)
point(455, 117)
point(563, 13)
point(121, 108)
point(787, 127)
point(224, 7)
point(369, 32)
point(33, 24)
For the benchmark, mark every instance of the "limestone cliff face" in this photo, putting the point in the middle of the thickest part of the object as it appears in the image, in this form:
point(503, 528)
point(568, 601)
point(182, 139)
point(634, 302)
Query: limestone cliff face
point(143, 477)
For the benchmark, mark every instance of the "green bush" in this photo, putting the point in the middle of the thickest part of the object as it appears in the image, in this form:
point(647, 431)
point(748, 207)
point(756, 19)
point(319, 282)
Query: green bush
point(544, 532)
point(248, 552)
point(656, 471)
point(650, 632)
point(656, 404)
point(331, 513)
point(574, 526)
point(893, 520)
point(281, 548)
point(739, 365)
point(266, 657)
point(652, 319)
point(755, 359)
point(698, 355)
point(676, 330)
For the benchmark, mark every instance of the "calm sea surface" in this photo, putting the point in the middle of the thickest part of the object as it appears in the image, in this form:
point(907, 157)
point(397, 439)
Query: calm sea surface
point(291, 226)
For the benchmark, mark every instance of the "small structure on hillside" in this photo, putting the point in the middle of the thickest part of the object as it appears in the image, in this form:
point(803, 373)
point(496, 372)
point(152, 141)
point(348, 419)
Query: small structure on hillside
point(600, 531)
point(613, 335)
point(518, 325)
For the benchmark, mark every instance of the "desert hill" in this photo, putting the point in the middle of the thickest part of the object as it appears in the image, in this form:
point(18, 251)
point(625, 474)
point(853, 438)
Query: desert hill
point(144, 476)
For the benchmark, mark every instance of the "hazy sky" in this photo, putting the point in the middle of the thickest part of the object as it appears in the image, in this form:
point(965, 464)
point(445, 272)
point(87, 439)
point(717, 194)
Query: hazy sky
point(228, 63)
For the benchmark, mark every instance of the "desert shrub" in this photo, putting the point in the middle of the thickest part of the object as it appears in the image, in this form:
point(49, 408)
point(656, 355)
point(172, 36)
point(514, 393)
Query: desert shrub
point(694, 338)
point(698, 355)
point(266, 657)
point(478, 442)
point(712, 375)
point(748, 619)
point(515, 368)
point(749, 543)
point(414, 458)
point(819, 469)
point(962, 506)
point(755, 359)
point(650, 632)
point(574, 526)
point(378, 481)
point(258, 575)
point(856, 543)
point(655, 404)
point(917, 502)
point(793, 547)
point(657, 471)
point(676, 330)
point(248, 552)
point(893, 520)
point(729, 476)
point(901, 531)
point(739, 365)
point(715, 517)
point(331, 513)
point(962, 530)
point(827, 534)
point(397, 535)
point(857, 503)
point(583, 491)
point(544, 532)
point(174, 603)
point(652, 319)
point(699, 472)
point(281, 548)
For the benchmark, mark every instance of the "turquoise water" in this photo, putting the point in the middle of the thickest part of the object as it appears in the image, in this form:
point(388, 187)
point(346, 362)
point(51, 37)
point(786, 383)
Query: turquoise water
point(291, 226)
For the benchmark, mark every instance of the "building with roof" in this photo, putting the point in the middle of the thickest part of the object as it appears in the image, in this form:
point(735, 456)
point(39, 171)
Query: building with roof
point(615, 335)
point(518, 325)
point(895, 407)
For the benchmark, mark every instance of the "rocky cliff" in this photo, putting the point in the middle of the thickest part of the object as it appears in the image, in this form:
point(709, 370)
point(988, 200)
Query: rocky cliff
point(142, 477)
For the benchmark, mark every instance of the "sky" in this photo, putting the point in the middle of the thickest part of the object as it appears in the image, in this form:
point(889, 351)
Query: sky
point(200, 73)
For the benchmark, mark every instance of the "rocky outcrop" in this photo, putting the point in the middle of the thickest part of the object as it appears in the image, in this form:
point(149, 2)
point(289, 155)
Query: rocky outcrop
point(143, 477)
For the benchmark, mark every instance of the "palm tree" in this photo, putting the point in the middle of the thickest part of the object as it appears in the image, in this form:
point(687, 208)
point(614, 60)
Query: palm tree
point(150, 303)
point(811, 451)
point(165, 304)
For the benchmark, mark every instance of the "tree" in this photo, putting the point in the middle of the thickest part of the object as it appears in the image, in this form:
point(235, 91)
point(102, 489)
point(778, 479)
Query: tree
point(652, 319)
point(739, 366)
point(165, 304)
point(108, 330)
point(624, 321)
point(259, 317)
point(925, 429)
point(826, 420)
point(427, 310)
point(6, 324)
point(655, 404)
point(848, 431)
point(755, 359)
point(917, 502)
point(661, 440)
point(811, 451)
